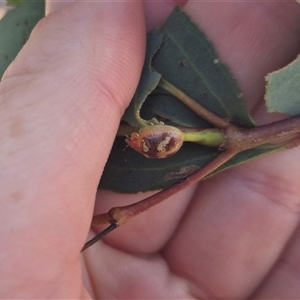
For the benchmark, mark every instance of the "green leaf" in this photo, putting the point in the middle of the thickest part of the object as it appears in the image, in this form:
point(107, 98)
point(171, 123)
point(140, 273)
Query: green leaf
point(283, 90)
point(148, 82)
point(187, 60)
point(15, 28)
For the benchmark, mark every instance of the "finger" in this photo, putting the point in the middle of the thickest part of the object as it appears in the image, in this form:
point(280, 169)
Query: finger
point(61, 102)
point(240, 221)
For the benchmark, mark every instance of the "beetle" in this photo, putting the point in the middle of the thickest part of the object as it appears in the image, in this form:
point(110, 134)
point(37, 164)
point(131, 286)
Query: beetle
point(156, 141)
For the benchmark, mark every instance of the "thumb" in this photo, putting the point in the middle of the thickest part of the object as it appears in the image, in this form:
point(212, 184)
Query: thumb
point(60, 106)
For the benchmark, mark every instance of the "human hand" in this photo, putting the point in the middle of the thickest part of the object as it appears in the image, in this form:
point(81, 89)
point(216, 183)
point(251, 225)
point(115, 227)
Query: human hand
point(61, 102)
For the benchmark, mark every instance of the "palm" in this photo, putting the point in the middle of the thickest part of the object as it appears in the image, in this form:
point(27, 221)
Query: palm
point(228, 236)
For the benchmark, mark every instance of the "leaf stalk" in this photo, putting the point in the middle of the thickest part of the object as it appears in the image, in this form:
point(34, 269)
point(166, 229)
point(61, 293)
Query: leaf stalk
point(207, 137)
point(194, 106)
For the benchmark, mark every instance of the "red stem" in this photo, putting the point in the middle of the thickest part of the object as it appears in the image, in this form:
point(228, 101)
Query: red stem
point(122, 214)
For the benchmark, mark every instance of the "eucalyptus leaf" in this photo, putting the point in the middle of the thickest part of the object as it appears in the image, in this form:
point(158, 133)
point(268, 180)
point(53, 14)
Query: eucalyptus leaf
point(283, 90)
point(15, 29)
point(188, 60)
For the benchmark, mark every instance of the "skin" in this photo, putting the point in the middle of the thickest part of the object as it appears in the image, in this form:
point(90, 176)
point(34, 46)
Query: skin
point(234, 236)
